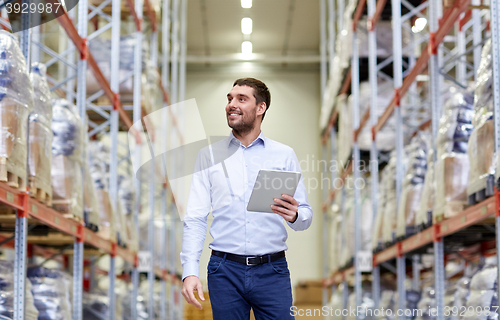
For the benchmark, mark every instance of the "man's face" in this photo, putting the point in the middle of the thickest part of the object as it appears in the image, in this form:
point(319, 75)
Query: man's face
point(242, 109)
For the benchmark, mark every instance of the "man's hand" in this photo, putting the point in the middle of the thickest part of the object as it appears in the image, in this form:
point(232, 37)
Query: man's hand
point(191, 284)
point(291, 207)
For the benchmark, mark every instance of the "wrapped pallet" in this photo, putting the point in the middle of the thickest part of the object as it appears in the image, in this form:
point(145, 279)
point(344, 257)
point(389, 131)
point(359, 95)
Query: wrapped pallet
point(424, 214)
point(126, 197)
point(16, 102)
point(99, 168)
point(66, 169)
point(452, 166)
point(96, 306)
point(377, 237)
point(345, 137)
point(40, 137)
point(481, 142)
point(101, 51)
point(413, 185)
point(52, 291)
point(7, 294)
point(390, 210)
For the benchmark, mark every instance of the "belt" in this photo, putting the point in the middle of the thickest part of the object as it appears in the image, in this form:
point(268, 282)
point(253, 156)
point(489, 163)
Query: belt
point(250, 260)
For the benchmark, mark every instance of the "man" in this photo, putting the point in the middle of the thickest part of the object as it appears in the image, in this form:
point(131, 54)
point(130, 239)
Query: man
point(247, 268)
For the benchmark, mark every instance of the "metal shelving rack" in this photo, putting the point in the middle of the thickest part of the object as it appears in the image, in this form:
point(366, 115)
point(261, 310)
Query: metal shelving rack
point(29, 207)
point(439, 61)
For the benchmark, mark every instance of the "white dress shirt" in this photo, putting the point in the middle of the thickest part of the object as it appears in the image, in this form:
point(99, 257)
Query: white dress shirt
point(224, 176)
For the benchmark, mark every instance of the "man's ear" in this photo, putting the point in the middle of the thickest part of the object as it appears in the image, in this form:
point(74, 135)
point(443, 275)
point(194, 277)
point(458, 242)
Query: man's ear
point(261, 108)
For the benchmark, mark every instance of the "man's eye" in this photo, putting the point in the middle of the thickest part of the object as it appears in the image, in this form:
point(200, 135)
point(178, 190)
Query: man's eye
point(241, 99)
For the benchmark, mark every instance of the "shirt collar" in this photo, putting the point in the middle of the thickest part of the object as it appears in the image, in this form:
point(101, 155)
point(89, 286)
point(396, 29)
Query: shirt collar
point(233, 138)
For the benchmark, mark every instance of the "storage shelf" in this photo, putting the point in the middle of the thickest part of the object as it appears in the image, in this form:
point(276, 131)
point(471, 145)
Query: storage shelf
point(470, 216)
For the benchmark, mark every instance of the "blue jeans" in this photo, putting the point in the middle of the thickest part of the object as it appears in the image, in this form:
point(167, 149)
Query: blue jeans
point(234, 288)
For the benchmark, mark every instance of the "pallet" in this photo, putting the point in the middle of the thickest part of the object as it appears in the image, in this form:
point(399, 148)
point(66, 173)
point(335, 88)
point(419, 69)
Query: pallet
point(11, 179)
point(483, 193)
point(39, 194)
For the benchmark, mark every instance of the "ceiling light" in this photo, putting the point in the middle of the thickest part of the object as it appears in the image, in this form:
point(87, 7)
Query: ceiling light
point(246, 4)
point(246, 48)
point(420, 24)
point(246, 25)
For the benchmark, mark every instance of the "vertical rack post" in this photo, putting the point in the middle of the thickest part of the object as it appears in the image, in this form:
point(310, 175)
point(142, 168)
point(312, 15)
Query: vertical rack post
point(182, 58)
point(372, 65)
point(331, 33)
point(495, 47)
point(21, 227)
point(476, 36)
point(434, 89)
point(323, 45)
point(113, 176)
point(81, 101)
point(333, 173)
point(163, 242)
point(165, 58)
point(398, 81)
point(21, 248)
point(174, 85)
point(355, 165)
point(325, 242)
point(151, 238)
point(137, 116)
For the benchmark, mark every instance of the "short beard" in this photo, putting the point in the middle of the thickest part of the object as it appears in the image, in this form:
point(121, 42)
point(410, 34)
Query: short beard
point(243, 127)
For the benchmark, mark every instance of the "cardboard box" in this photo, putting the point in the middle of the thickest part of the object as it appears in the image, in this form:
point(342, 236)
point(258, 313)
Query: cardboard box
point(309, 292)
point(308, 312)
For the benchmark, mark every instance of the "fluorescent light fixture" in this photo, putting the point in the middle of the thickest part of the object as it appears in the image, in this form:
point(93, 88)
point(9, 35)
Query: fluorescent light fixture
point(420, 24)
point(246, 25)
point(246, 48)
point(246, 4)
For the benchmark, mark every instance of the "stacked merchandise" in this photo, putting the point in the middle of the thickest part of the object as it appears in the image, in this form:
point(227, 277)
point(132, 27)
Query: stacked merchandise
point(387, 302)
point(481, 142)
point(126, 197)
point(52, 293)
point(90, 203)
point(40, 136)
point(110, 216)
point(66, 170)
point(483, 294)
point(144, 221)
point(452, 166)
point(7, 294)
point(389, 212)
point(345, 130)
point(413, 185)
point(142, 312)
point(424, 214)
point(101, 51)
point(377, 234)
point(346, 247)
point(16, 102)
point(386, 137)
point(335, 233)
point(96, 306)
point(153, 96)
point(336, 304)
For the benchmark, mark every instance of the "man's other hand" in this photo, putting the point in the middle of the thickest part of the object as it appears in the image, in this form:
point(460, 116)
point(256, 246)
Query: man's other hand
point(189, 286)
point(289, 209)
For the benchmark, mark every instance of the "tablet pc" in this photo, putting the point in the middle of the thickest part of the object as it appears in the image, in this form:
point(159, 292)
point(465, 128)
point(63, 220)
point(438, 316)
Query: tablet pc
point(272, 184)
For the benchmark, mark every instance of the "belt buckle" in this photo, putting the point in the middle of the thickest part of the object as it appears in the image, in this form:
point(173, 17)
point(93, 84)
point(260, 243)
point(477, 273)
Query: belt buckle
point(248, 262)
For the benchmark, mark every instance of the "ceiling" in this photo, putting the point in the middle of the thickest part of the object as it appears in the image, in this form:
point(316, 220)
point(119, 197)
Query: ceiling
point(280, 27)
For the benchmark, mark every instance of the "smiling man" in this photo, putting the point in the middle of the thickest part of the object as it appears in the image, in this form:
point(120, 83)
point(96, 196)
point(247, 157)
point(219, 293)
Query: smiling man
point(247, 268)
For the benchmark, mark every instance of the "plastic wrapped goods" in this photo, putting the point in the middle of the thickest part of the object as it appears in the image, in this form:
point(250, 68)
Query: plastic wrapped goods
point(481, 143)
point(66, 171)
point(7, 294)
point(40, 133)
point(142, 312)
point(153, 96)
point(99, 170)
point(90, 202)
point(96, 307)
point(388, 182)
point(345, 137)
point(16, 102)
point(452, 166)
point(101, 51)
point(52, 293)
point(424, 214)
point(413, 186)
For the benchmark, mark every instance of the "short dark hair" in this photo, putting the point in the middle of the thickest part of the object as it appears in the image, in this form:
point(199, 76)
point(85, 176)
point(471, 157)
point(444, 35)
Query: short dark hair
point(260, 91)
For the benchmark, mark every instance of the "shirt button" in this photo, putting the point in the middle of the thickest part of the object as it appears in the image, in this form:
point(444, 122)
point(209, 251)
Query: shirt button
point(248, 221)
point(248, 241)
